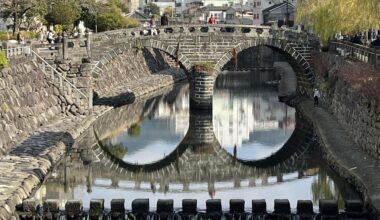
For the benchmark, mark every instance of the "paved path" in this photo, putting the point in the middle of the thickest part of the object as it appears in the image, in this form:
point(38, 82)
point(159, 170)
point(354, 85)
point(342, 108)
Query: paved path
point(346, 157)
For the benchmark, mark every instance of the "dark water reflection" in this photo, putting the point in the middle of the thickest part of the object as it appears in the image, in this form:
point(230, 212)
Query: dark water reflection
point(157, 149)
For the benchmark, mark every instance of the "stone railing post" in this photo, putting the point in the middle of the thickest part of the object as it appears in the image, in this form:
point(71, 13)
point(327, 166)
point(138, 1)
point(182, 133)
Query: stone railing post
point(88, 44)
point(64, 45)
point(201, 89)
point(84, 84)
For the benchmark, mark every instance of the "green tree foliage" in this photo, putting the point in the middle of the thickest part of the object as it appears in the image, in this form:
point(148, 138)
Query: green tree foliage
point(134, 130)
point(3, 60)
point(90, 10)
point(328, 17)
point(154, 9)
point(323, 187)
point(65, 12)
point(19, 10)
point(111, 18)
point(117, 150)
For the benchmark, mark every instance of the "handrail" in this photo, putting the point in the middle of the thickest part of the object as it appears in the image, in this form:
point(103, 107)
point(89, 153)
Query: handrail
point(356, 46)
point(58, 73)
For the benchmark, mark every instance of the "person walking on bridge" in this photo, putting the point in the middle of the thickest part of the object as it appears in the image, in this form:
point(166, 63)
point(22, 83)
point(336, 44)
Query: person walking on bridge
point(164, 20)
point(316, 97)
point(212, 20)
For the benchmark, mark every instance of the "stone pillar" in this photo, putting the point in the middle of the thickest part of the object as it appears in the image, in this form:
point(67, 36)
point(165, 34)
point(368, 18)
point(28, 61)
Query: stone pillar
point(202, 128)
point(64, 45)
point(84, 84)
point(201, 90)
point(88, 44)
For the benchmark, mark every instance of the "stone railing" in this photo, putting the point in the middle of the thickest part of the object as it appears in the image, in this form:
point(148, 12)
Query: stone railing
point(356, 51)
point(118, 36)
point(16, 50)
point(328, 209)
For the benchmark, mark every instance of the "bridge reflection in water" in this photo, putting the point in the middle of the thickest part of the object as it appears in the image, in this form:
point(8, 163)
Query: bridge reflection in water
point(203, 165)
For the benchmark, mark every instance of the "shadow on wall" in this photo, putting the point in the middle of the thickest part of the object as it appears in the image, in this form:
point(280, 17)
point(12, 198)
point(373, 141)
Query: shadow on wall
point(40, 144)
point(115, 101)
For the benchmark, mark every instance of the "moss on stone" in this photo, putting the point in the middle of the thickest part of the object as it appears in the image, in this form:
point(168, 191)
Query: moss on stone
point(3, 60)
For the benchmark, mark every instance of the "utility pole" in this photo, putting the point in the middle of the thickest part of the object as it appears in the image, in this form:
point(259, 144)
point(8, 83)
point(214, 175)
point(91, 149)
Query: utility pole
point(287, 13)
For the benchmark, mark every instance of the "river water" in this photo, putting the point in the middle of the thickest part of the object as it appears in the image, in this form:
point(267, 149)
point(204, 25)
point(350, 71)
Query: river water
point(251, 147)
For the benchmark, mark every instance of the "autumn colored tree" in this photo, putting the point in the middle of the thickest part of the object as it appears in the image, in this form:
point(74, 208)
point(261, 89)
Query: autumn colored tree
point(169, 11)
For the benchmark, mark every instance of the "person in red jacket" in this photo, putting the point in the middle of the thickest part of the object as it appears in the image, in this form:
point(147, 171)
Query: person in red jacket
point(212, 20)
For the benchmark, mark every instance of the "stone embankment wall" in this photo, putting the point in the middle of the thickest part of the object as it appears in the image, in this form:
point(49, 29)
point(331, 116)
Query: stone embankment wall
point(28, 100)
point(132, 65)
point(358, 113)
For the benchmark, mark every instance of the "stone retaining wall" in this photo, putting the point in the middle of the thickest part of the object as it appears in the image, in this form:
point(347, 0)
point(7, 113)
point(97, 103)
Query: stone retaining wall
point(359, 114)
point(28, 100)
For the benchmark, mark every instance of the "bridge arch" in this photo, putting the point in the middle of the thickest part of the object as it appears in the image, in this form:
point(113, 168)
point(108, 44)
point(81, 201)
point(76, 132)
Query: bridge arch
point(298, 54)
point(139, 45)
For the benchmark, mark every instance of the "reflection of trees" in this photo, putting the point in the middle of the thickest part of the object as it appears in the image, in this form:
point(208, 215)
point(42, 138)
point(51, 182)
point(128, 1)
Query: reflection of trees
point(323, 187)
point(134, 130)
point(118, 150)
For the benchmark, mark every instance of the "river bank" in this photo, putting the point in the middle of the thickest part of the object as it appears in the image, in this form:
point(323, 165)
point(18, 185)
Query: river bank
point(27, 164)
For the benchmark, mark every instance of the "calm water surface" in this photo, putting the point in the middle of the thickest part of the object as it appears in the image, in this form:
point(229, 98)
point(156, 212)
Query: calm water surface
point(241, 150)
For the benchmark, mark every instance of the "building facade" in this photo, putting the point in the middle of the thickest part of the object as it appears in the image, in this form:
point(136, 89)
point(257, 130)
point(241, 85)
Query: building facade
point(259, 5)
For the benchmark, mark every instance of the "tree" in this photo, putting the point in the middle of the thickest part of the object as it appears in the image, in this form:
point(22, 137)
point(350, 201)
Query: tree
point(90, 10)
point(16, 9)
point(65, 12)
point(134, 130)
point(169, 11)
point(111, 18)
point(154, 9)
point(329, 17)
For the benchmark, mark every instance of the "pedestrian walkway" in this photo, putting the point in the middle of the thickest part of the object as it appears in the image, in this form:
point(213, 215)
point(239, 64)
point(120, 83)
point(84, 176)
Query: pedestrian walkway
point(344, 155)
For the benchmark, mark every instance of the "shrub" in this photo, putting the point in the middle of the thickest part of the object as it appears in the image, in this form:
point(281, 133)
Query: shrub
point(3, 60)
point(4, 36)
point(204, 67)
point(362, 77)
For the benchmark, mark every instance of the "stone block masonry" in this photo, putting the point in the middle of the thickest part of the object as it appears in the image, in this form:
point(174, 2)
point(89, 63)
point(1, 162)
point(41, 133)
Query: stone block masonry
point(28, 100)
point(131, 69)
point(358, 113)
point(26, 165)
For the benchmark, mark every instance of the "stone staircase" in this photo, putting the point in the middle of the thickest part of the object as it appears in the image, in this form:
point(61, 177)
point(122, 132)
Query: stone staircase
point(75, 98)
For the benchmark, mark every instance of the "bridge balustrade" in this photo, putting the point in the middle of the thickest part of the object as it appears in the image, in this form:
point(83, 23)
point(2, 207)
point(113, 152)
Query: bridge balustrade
point(246, 30)
point(357, 52)
point(16, 50)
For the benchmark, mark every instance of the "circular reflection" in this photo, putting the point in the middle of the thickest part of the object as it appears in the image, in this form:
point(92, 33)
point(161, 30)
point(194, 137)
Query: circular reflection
point(156, 134)
point(248, 119)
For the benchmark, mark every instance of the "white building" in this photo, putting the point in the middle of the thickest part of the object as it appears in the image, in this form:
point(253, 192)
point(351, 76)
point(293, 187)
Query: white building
point(182, 5)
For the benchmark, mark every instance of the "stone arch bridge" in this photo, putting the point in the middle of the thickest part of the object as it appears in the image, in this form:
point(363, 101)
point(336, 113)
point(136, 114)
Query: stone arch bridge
point(201, 50)
point(204, 50)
